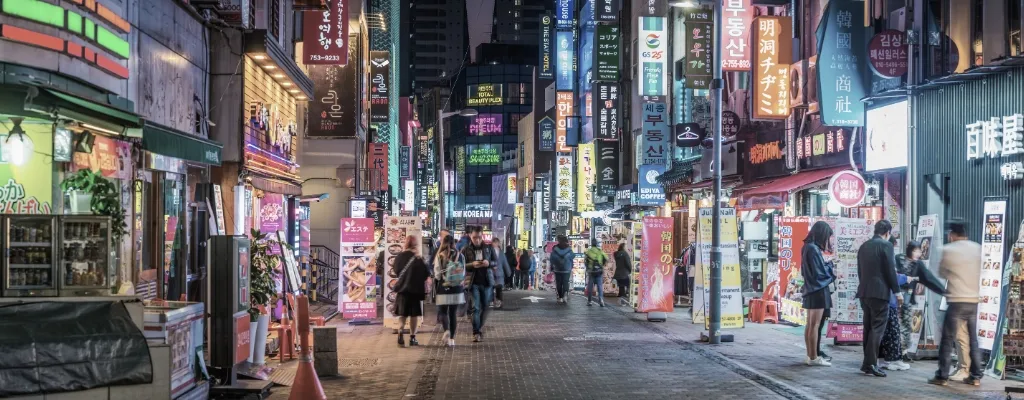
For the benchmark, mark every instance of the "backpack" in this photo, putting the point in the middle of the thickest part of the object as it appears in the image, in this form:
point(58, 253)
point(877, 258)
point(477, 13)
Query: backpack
point(454, 271)
point(595, 266)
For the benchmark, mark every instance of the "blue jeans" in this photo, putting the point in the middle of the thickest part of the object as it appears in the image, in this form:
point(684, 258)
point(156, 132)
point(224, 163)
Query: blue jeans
point(595, 283)
point(481, 298)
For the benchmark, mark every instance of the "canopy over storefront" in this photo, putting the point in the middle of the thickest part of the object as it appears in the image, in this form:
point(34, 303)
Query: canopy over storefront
point(775, 192)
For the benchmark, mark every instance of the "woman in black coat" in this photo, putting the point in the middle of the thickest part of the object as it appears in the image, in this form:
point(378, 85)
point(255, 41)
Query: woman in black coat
point(622, 270)
point(817, 298)
point(410, 288)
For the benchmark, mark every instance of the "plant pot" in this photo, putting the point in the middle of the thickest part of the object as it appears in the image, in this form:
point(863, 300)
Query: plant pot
point(259, 343)
point(253, 328)
point(80, 202)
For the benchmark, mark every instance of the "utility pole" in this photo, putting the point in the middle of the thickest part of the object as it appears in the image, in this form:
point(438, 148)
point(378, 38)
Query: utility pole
point(715, 326)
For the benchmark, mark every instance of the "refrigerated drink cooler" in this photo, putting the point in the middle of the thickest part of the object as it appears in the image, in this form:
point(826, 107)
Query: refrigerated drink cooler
point(52, 255)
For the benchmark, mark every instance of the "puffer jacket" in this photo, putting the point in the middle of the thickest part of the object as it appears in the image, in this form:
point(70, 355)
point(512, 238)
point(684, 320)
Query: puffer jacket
point(561, 259)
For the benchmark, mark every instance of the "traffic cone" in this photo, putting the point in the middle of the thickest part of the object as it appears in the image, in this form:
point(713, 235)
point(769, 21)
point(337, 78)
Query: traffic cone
point(307, 384)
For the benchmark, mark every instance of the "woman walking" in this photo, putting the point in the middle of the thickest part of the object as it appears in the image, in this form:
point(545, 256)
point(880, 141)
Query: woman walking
point(511, 280)
point(561, 266)
point(450, 273)
point(501, 273)
point(525, 266)
point(817, 298)
point(622, 271)
point(411, 288)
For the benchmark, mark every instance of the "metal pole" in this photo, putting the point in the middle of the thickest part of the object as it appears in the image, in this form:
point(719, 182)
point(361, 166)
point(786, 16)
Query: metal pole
point(715, 326)
point(440, 183)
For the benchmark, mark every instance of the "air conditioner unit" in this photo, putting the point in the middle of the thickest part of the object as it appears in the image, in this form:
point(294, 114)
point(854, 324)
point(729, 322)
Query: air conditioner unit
point(803, 78)
point(811, 88)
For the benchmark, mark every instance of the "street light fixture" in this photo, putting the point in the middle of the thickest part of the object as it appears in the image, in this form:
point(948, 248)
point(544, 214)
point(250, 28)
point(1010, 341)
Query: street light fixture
point(441, 116)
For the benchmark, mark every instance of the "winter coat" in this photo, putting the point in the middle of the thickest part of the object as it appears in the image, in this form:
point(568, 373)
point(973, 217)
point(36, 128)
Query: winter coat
point(561, 259)
point(500, 272)
point(814, 270)
point(622, 265)
point(917, 269)
point(595, 260)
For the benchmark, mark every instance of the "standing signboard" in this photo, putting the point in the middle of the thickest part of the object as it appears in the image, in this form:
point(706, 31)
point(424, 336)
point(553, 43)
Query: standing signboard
point(732, 296)
point(792, 231)
point(925, 236)
point(656, 270)
point(850, 234)
point(396, 229)
point(993, 237)
point(357, 278)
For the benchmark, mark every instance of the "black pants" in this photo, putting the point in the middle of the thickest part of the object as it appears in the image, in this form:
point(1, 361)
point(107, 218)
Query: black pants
point(957, 312)
point(562, 284)
point(623, 286)
point(524, 279)
point(497, 292)
point(876, 316)
point(449, 318)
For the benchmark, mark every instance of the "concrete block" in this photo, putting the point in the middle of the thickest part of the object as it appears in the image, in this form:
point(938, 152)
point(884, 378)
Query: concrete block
point(326, 363)
point(325, 339)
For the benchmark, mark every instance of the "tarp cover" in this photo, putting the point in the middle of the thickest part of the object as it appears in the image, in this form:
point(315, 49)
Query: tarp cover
point(51, 347)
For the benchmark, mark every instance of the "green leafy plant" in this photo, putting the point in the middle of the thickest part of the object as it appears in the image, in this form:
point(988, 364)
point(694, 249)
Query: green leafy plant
point(105, 198)
point(261, 272)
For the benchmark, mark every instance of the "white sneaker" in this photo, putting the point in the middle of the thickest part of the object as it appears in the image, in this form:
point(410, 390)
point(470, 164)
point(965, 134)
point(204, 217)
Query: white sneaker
point(451, 342)
point(883, 364)
point(897, 366)
point(807, 360)
point(820, 362)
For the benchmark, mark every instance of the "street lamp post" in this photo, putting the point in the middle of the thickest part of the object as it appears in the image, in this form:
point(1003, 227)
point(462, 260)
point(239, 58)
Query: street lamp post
point(441, 116)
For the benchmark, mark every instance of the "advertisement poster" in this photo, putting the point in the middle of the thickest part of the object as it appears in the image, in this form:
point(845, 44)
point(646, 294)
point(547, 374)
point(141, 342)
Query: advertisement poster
point(27, 188)
point(656, 270)
point(396, 229)
point(732, 296)
point(105, 158)
point(792, 231)
point(565, 195)
point(587, 178)
point(851, 233)
point(925, 235)
point(992, 249)
point(358, 269)
point(652, 56)
point(272, 217)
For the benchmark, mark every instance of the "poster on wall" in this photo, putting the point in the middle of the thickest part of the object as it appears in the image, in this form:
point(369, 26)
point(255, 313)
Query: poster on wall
point(396, 229)
point(656, 270)
point(792, 231)
point(993, 237)
point(732, 297)
point(358, 278)
point(272, 218)
point(325, 35)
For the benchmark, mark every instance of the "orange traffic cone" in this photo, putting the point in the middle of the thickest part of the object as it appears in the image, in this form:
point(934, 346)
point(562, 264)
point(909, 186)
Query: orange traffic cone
point(307, 384)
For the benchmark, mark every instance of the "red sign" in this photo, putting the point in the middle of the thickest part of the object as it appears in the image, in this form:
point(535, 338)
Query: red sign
point(325, 35)
point(792, 231)
point(736, 51)
point(656, 270)
point(356, 231)
point(887, 53)
point(378, 161)
point(771, 67)
point(847, 188)
point(845, 333)
point(242, 338)
point(105, 158)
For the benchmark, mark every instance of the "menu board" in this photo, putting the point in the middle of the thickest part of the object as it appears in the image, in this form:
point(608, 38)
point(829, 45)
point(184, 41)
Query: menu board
point(992, 237)
point(396, 229)
point(358, 269)
point(925, 235)
point(850, 233)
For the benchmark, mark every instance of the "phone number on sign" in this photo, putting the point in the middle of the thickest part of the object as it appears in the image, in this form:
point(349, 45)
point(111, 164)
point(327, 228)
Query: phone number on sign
point(318, 57)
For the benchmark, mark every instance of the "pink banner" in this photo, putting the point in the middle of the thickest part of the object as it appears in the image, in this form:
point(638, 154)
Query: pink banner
point(358, 280)
point(656, 280)
point(356, 231)
point(272, 218)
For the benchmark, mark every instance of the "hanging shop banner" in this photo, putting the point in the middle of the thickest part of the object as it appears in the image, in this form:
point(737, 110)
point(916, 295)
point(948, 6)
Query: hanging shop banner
point(545, 68)
point(332, 110)
point(737, 16)
point(396, 229)
point(405, 162)
point(586, 177)
point(732, 297)
point(486, 124)
point(925, 235)
point(825, 146)
point(653, 57)
point(563, 120)
point(607, 124)
point(565, 61)
point(606, 53)
point(771, 67)
point(888, 54)
point(651, 192)
point(483, 154)
point(28, 188)
point(892, 205)
point(565, 198)
point(272, 218)
point(564, 12)
point(842, 81)
point(698, 26)
point(688, 135)
point(105, 158)
point(511, 185)
point(485, 94)
point(325, 35)
point(607, 166)
point(992, 245)
point(380, 86)
point(378, 161)
point(546, 134)
point(847, 188)
point(851, 233)
point(786, 286)
point(358, 274)
point(655, 145)
point(656, 267)
point(606, 10)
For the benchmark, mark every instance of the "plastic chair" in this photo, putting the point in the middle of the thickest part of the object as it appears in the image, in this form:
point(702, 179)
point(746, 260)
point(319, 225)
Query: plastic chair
point(771, 312)
point(314, 320)
point(756, 310)
point(286, 335)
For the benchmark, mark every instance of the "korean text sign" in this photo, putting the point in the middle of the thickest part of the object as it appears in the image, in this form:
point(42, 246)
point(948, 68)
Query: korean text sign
point(563, 120)
point(325, 35)
point(771, 69)
point(736, 15)
point(656, 265)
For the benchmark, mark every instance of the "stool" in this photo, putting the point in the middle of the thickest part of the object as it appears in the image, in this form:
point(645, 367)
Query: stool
point(286, 337)
point(771, 312)
point(756, 309)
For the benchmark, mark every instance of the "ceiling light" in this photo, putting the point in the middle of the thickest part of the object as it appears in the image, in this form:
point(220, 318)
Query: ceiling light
point(279, 76)
point(259, 57)
point(269, 66)
point(286, 83)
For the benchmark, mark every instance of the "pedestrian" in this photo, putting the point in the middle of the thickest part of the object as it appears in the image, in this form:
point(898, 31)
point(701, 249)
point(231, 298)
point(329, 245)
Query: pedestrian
point(622, 271)
point(561, 265)
point(594, 259)
point(464, 240)
point(450, 273)
point(500, 273)
point(411, 288)
point(817, 274)
point(961, 267)
point(891, 347)
point(876, 267)
point(525, 266)
point(512, 260)
point(532, 272)
point(480, 258)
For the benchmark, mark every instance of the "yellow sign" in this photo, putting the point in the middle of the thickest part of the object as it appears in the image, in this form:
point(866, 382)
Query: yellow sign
point(27, 188)
point(485, 95)
point(732, 296)
point(586, 177)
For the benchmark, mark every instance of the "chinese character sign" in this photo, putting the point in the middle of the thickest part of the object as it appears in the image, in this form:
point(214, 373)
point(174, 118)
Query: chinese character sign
point(847, 188)
point(607, 167)
point(607, 121)
point(784, 285)
point(586, 178)
point(653, 57)
point(656, 265)
point(606, 53)
point(736, 15)
point(771, 67)
point(888, 53)
point(564, 194)
point(842, 67)
point(325, 35)
point(378, 161)
point(698, 29)
point(563, 120)
point(655, 145)
point(546, 133)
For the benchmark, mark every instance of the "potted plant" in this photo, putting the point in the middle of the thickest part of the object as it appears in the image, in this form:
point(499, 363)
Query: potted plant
point(91, 193)
point(261, 292)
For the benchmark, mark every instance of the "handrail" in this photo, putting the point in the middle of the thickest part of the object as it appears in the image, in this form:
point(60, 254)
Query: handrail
point(326, 263)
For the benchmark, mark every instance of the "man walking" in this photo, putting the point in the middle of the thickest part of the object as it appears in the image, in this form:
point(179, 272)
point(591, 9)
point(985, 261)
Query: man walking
point(876, 266)
point(961, 267)
point(479, 259)
point(595, 259)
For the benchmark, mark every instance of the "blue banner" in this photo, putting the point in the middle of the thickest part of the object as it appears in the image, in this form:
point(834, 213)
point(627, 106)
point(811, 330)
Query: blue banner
point(564, 10)
point(651, 192)
point(842, 64)
point(655, 143)
point(546, 132)
point(565, 60)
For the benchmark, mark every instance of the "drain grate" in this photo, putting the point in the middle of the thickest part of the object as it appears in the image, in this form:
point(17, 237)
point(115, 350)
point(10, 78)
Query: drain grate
point(358, 362)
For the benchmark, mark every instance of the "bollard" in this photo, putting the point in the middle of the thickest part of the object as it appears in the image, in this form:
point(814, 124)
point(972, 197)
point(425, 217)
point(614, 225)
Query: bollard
point(306, 385)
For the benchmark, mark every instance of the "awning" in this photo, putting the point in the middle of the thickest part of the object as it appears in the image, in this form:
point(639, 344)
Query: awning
point(275, 185)
point(170, 142)
point(775, 193)
point(97, 116)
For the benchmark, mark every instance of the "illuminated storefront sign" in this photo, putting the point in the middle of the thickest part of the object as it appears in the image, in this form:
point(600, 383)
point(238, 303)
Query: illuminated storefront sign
point(736, 15)
point(483, 154)
point(771, 69)
point(380, 86)
point(545, 68)
point(563, 122)
point(565, 61)
point(564, 11)
point(996, 138)
point(586, 177)
point(655, 145)
point(606, 53)
point(378, 161)
point(486, 125)
point(565, 196)
point(485, 95)
point(325, 35)
point(698, 26)
point(607, 121)
point(653, 57)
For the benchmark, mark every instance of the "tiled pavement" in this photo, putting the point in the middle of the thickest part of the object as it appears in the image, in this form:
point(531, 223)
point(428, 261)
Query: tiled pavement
point(550, 351)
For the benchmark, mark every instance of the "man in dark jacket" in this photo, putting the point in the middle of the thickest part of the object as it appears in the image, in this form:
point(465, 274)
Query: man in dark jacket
point(623, 268)
point(876, 267)
point(480, 258)
point(561, 265)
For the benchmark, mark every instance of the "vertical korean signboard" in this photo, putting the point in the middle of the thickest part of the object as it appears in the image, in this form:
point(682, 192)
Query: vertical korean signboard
point(332, 110)
point(565, 194)
point(607, 104)
point(653, 58)
point(698, 26)
point(656, 270)
point(546, 134)
point(607, 165)
point(545, 67)
point(565, 61)
point(586, 177)
point(563, 120)
point(655, 145)
point(378, 161)
point(771, 69)
point(606, 53)
point(842, 81)
point(736, 15)
point(606, 10)
point(325, 35)
point(396, 229)
point(380, 86)
point(358, 277)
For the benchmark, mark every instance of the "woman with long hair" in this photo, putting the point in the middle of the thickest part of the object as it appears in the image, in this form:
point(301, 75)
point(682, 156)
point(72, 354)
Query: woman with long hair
point(449, 264)
point(817, 298)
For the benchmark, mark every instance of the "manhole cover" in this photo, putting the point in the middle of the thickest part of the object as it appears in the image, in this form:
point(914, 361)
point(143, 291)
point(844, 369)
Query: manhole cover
point(358, 362)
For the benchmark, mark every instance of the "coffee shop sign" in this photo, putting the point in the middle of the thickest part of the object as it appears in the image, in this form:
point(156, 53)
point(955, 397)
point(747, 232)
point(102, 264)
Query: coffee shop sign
point(996, 138)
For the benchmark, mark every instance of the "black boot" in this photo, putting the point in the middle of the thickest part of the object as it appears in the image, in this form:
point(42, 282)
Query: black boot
point(401, 340)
